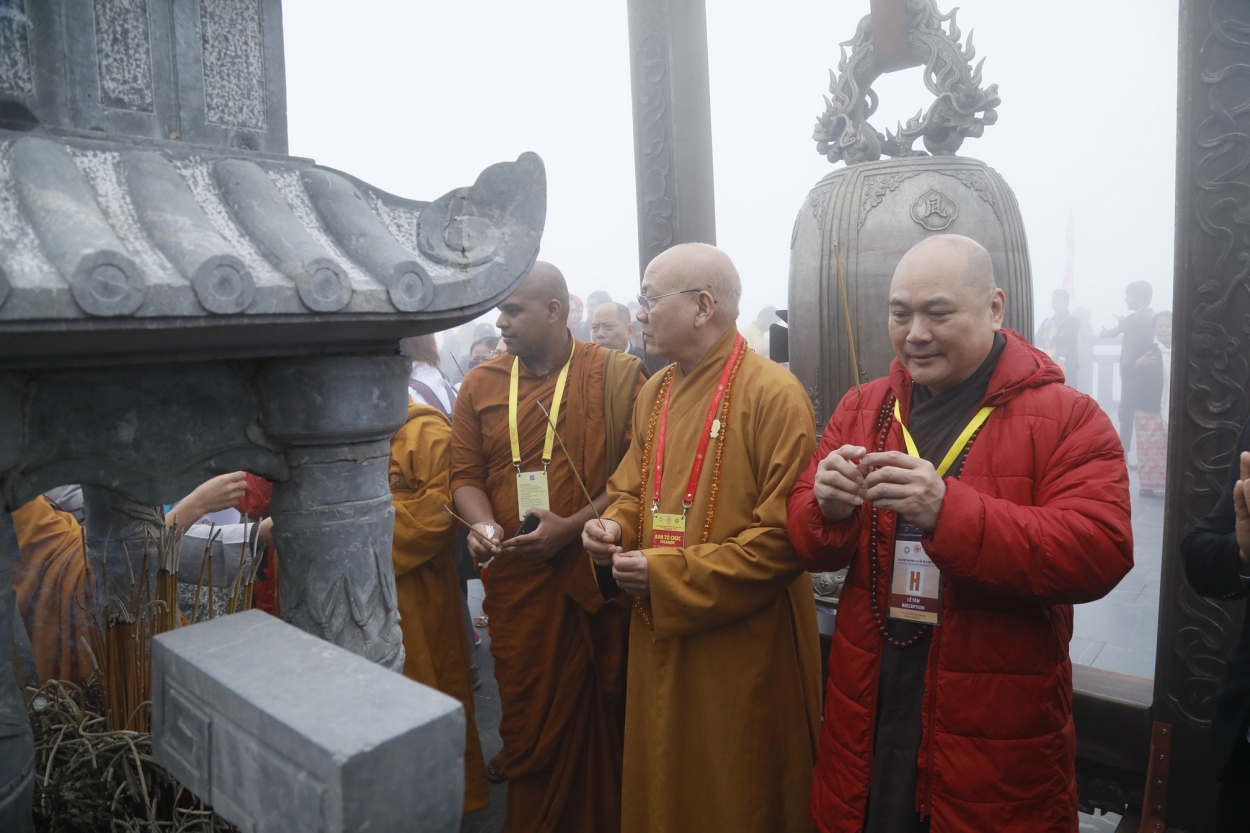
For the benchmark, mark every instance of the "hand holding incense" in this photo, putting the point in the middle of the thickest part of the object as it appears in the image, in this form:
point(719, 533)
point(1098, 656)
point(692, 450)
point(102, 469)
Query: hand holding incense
point(490, 528)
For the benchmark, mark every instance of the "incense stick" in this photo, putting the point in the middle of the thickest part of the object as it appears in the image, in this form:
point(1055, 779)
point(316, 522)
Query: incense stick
point(233, 605)
point(457, 363)
point(576, 473)
point(846, 308)
point(470, 527)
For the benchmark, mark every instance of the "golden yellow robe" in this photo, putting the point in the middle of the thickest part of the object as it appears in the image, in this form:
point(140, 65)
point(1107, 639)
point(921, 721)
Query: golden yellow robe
point(54, 590)
point(436, 644)
point(723, 701)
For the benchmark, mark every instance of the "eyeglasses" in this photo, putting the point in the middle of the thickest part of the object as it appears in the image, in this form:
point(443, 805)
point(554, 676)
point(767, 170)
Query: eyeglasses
point(644, 303)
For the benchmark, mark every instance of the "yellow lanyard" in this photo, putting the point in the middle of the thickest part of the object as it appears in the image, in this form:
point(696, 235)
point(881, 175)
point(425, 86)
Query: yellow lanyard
point(960, 443)
point(555, 411)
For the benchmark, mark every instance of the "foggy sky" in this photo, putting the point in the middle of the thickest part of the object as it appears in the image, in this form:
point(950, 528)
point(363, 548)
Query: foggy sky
point(418, 97)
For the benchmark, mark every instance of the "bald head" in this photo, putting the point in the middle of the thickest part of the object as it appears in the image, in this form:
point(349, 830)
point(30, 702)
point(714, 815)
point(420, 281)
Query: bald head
point(944, 310)
point(702, 289)
point(957, 259)
point(544, 283)
point(533, 320)
point(698, 266)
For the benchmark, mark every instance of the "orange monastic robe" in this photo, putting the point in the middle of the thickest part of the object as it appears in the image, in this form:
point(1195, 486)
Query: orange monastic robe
point(723, 705)
point(559, 646)
point(54, 590)
point(436, 645)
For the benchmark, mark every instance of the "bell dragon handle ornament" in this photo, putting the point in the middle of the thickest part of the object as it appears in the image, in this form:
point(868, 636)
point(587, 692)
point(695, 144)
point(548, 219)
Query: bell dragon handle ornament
point(960, 110)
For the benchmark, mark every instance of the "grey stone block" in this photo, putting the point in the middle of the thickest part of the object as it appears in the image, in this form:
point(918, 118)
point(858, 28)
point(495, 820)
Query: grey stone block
point(281, 731)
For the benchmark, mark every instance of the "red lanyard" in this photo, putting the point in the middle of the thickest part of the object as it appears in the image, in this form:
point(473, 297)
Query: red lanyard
point(699, 456)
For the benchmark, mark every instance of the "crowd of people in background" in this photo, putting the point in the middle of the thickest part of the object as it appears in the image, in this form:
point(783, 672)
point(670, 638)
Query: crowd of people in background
point(1145, 365)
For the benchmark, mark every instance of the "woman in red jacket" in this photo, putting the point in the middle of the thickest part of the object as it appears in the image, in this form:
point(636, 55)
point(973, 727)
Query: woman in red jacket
point(975, 498)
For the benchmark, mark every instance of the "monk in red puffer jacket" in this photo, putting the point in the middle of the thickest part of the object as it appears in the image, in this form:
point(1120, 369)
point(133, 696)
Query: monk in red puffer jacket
point(966, 725)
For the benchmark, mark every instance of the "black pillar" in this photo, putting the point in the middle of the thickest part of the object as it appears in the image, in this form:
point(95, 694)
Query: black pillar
point(1211, 373)
point(672, 125)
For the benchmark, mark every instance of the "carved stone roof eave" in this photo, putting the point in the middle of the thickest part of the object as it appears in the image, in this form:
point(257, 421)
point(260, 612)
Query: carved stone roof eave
point(131, 249)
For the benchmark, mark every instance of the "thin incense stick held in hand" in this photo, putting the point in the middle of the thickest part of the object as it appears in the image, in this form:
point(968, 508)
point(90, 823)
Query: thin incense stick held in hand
point(470, 527)
point(576, 473)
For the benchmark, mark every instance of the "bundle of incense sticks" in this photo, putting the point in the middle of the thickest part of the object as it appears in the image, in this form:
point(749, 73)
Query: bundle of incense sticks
point(241, 595)
point(168, 540)
point(149, 607)
point(125, 663)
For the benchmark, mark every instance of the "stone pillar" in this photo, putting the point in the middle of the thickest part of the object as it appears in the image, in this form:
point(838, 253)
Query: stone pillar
point(1210, 376)
point(672, 125)
point(115, 535)
point(17, 744)
point(333, 518)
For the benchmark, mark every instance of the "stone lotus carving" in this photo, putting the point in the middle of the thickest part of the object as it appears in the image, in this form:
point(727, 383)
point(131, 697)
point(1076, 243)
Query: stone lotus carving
point(828, 586)
point(960, 110)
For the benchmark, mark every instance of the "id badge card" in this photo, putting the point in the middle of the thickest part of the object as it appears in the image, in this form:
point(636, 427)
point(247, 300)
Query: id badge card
point(668, 530)
point(531, 492)
point(916, 591)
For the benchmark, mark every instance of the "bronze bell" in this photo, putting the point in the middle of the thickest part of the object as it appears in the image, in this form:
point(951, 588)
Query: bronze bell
point(858, 221)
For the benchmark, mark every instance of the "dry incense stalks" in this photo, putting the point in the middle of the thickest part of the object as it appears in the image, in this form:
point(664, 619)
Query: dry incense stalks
point(89, 779)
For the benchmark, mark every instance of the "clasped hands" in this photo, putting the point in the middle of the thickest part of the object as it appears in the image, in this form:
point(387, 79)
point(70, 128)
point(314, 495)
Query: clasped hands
point(629, 569)
point(889, 480)
point(553, 534)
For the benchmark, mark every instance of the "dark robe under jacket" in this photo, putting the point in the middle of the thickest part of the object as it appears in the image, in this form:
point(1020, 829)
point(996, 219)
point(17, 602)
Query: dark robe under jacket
point(935, 423)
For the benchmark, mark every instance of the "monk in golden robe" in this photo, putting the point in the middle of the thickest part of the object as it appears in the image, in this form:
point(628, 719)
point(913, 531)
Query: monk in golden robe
point(558, 644)
point(436, 644)
point(53, 585)
point(723, 704)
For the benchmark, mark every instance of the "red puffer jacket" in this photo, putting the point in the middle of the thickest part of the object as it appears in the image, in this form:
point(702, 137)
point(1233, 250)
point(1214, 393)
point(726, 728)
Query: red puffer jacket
point(1038, 521)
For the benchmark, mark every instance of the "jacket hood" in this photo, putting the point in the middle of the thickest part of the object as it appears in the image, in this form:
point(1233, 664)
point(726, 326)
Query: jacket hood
point(1020, 367)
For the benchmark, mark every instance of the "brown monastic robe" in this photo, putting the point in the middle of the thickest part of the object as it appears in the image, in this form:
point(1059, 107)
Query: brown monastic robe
point(559, 646)
point(436, 644)
point(723, 703)
point(53, 586)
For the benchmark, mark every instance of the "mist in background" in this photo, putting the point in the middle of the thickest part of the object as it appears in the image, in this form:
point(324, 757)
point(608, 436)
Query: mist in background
point(418, 97)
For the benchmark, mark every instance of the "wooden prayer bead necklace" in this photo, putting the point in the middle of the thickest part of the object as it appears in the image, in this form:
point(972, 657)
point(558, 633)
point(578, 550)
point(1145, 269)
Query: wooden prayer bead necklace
point(882, 433)
point(649, 446)
point(874, 566)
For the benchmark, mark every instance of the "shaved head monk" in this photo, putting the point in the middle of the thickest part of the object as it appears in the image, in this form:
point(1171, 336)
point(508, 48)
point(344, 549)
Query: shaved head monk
point(723, 707)
point(975, 498)
point(558, 643)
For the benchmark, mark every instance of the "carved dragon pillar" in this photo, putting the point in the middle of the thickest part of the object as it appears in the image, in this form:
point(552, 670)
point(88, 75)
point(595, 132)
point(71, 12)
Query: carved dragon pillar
point(1211, 373)
point(672, 125)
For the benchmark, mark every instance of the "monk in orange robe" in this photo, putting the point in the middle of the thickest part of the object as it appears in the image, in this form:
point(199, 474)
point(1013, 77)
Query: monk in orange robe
point(53, 584)
point(558, 644)
point(723, 704)
point(436, 644)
